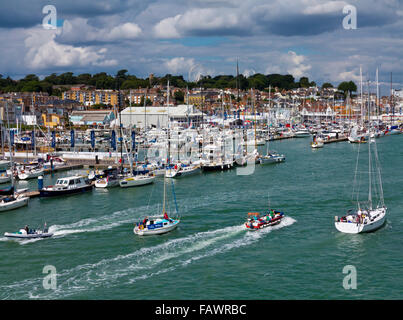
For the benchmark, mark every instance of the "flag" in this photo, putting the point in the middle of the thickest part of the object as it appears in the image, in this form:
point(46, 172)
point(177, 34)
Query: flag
point(133, 140)
point(72, 138)
point(53, 145)
point(113, 140)
point(92, 139)
point(11, 137)
point(33, 139)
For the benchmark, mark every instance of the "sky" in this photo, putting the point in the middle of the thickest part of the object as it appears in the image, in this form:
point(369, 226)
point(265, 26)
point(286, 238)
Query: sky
point(313, 38)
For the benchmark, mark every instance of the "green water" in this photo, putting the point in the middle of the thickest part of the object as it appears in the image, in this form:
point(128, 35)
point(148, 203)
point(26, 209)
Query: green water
point(210, 255)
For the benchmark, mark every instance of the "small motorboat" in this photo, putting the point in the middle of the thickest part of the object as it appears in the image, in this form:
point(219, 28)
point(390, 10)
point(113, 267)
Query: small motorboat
point(255, 221)
point(12, 202)
point(155, 225)
point(27, 233)
point(317, 144)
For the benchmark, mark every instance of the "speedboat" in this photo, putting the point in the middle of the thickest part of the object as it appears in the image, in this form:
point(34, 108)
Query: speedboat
point(27, 233)
point(255, 221)
point(361, 221)
point(155, 225)
point(12, 202)
point(302, 133)
point(66, 186)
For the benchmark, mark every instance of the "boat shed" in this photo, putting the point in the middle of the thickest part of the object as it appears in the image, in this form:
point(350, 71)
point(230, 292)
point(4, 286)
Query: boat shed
point(158, 116)
point(92, 117)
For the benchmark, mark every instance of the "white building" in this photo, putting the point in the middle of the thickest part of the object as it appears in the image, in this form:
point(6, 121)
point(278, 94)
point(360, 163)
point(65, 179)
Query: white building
point(158, 116)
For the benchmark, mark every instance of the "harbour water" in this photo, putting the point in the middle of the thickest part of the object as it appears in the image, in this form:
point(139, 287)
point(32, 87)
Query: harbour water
point(211, 255)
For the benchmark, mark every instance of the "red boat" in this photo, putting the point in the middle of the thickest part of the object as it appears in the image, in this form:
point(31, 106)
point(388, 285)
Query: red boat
point(255, 221)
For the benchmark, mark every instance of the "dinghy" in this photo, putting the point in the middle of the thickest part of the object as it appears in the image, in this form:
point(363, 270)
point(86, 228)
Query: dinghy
point(13, 202)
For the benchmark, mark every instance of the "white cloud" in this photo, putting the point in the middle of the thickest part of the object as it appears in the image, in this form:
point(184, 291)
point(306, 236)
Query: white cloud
point(79, 30)
point(296, 64)
point(44, 52)
point(197, 21)
point(324, 8)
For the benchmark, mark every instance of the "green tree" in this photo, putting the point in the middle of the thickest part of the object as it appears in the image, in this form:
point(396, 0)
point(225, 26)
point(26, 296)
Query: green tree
point(347, 87)
point(327, 85)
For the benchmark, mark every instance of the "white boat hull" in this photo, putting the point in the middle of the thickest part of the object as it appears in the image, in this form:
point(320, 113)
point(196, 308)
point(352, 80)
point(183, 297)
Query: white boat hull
point(162, 230)
point(354, 227)
point(30, 174)
point(136, 181)
point(182, 172)
point(106, 183)
point(15, 204)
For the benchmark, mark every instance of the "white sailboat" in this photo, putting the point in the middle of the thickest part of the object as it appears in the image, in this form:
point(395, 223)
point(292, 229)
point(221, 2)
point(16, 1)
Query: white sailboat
point(367, 216)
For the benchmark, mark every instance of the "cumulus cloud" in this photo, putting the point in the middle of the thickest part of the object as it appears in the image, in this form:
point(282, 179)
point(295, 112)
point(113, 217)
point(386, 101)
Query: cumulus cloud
point(44, 52)
point(79, 30)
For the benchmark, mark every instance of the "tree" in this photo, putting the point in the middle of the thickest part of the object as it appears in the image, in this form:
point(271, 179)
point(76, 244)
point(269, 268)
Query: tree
point(347, 87)
point(179, 96)
point(327, 85)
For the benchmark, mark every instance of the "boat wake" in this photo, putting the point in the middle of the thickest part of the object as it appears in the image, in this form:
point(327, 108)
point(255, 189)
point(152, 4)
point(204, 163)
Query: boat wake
point(141, 264)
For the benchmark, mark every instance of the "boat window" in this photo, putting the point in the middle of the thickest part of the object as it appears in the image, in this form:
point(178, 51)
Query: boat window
point(71, 182)
point(59, 182)
point(78, 181)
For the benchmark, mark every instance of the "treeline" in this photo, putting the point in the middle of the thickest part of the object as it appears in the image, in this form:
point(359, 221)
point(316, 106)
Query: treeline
point(53, 84)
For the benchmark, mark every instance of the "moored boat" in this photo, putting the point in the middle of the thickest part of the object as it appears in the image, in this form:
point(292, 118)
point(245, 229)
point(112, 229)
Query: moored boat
point(67, 186)
point(12, 202)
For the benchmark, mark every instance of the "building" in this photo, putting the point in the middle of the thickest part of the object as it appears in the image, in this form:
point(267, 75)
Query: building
point(158, 116)
point(92, 117)
point(91, 97)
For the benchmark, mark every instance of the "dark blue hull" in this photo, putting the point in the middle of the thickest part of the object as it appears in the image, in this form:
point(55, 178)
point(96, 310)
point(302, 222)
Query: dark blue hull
point(55, 193)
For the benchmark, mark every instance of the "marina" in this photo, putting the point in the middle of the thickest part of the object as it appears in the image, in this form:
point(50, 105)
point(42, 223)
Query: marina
point(211, 237)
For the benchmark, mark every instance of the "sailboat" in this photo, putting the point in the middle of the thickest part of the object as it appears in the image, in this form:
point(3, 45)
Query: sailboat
point(367, 216)
point(158, 224)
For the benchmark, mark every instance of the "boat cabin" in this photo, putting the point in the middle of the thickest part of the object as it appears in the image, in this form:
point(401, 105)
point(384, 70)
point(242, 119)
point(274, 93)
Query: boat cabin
point(70, 182)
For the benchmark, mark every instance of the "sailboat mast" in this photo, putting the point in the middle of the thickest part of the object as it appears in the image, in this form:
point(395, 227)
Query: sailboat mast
point(369, 153)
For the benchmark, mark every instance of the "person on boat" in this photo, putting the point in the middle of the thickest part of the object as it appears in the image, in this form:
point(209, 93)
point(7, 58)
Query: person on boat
point(26, 229)
point(166, 216)
point(145, 221)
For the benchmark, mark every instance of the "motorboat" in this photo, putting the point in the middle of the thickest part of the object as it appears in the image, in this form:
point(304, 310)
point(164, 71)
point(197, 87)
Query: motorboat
point(155, 225)
point(12, 202)
point(255, 221)
point(302, 133)
point(26, 233)
point(66, 186)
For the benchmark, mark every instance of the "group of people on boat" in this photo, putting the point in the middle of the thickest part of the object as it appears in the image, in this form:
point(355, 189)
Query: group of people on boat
point(255, 221)
point(146, 221)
